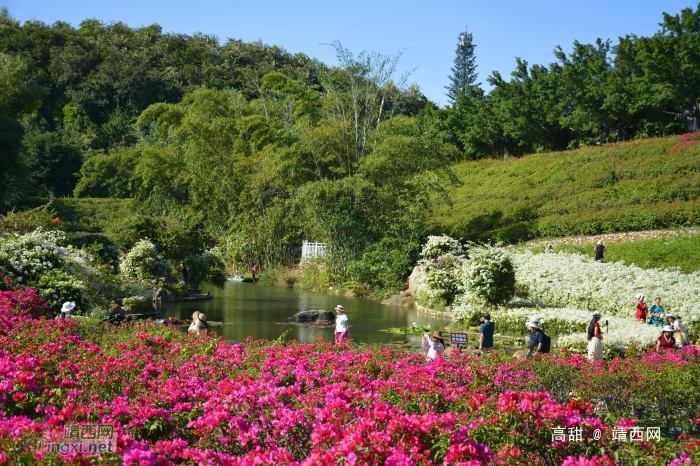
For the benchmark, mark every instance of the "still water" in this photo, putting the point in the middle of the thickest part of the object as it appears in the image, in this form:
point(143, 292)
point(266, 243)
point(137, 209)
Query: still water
point(257, 310)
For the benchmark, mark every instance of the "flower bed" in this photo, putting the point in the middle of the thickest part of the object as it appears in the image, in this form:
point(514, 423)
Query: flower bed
point(179, 399)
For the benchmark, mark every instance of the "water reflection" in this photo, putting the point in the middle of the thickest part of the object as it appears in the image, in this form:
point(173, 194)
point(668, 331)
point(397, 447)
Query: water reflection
point(258, 310)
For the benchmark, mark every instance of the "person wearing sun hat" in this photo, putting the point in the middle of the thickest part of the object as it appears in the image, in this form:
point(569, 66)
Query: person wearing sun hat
point(341, 325)
point(199, 324)
point(641, 309)
point(595, 338)
point(536, 337)
point(599, 251)
point(67, 310)
point(666, 339)
point(434, 345)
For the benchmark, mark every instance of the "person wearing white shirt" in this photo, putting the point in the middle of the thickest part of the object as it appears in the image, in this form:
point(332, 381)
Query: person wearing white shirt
point(341, 325)
point(680, 332)
point(434, 345)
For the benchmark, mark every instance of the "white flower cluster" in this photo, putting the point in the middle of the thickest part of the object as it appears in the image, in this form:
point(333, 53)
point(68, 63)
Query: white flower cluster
point(440, 245)
point(144, 262)
point(571, 279)
point(25, 257)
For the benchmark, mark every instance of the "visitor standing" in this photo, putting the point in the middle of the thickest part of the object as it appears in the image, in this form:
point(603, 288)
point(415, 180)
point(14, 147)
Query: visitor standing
point(680, 332)
point(183, 273)
point(666, 339)
point(341, 325)
point(434, 345)
point(549, 250)
point(254, 272)
point(641, 315)
point(486, 337)
point(657, 314)
point(595, 338)
point(599, 250)
point(536, 337)
point(67, 310)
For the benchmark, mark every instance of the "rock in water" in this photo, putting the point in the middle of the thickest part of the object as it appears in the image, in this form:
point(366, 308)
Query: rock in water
point(312, 316)
point(164, 295)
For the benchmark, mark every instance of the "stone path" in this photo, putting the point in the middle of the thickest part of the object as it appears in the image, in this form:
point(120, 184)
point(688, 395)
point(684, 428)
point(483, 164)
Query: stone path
point(613, 237)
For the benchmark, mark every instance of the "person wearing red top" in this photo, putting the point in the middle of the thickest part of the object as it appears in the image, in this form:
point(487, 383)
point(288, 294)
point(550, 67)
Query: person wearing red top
point(641, 309)
point(666, 339)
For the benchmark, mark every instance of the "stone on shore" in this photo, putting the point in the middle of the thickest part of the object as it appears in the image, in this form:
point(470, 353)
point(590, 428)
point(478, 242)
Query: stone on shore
point(394, 300)
point(312, 316)
point(164, 295)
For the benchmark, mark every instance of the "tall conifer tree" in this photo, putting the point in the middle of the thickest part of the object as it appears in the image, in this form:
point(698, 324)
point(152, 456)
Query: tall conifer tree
point(464, 72)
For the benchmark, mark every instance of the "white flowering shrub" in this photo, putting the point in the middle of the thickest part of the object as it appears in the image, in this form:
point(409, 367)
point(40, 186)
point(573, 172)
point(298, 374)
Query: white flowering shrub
point(144, 262)
point(439, 246)
point(206, 267)
point(488, 275)
point(57, 287)
point(26, 257)
point(569, 280)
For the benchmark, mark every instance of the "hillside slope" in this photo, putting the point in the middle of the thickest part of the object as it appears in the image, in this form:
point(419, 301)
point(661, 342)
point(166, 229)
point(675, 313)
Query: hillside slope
point(633, 186)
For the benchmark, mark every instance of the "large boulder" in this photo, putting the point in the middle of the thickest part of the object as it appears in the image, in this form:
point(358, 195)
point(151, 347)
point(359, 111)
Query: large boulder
point(395, 300)
point(522, 354)
point(312, 316)
point(410, 291)
point(164, 295)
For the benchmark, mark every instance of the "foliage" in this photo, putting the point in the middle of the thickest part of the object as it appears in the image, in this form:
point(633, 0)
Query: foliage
point(176, 289)
point(437, 246)
point(307, 403)
point(138, 304)
point(436, 283)
point(85, 215)
point(488, 276)
point(171, 237)
point(56, 287)
point(144, 262)
point(414, 330)
point(99, 245)
point(53, 162)
point(26, 221)
point(632, 186)
point(206, 267)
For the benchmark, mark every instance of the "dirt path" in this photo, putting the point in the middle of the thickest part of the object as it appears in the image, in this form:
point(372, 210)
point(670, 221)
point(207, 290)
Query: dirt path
point(611, 237)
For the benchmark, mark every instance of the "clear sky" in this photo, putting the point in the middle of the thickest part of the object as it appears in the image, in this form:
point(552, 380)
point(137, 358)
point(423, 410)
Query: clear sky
point(503, 29)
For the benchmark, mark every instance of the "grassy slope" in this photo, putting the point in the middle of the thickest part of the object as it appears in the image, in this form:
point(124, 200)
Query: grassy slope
point(634, 186)
point(86, 214)
point(672, 251)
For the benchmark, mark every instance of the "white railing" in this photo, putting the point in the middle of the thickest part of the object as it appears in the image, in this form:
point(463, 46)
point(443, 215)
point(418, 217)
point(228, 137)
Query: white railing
point(311, 250)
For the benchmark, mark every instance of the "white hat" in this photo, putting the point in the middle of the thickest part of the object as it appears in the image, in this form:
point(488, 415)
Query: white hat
point(667, 328)
point(597, 314)
point(339, 308)
point(640, 296)
point(67, 306)
point(533, 323)
point(668, 316)
point(600, 241)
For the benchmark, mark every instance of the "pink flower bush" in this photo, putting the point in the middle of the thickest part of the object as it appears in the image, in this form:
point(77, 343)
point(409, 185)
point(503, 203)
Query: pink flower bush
point(174, 399)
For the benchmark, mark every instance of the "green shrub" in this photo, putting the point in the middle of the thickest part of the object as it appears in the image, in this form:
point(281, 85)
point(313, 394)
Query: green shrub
point(385, 265)
point(173, 238)
point(206, 267)
point(144, 262)
point(176, 289)
point(92, 215)
point(138, 304)
point(99, 245)
point(57, 287)
point(26, 221)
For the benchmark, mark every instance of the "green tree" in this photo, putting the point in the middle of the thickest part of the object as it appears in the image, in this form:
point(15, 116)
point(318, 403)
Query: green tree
point(464, 71)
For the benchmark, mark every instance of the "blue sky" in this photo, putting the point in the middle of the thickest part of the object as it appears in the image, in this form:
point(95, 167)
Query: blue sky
point(502, 29)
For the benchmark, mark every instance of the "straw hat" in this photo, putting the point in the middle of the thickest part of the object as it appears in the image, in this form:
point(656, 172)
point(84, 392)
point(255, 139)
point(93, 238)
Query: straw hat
point(340, 308)
point(667, 328)
point(200, 319)
point(438, 334)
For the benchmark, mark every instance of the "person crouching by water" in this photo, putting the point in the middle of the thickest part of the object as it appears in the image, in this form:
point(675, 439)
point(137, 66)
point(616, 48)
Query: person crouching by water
point(434, 345)
point(595, 338)
point(199, 324)
point(642, 308)
point(657, 314)
point(536, 337)
point(666, 339)
point(341, 325)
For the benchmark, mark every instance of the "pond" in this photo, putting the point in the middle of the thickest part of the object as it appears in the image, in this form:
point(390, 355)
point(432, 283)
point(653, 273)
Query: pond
point(257, 310)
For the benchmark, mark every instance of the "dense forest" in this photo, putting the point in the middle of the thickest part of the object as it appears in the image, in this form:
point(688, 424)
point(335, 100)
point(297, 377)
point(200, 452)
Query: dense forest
point(264, 148)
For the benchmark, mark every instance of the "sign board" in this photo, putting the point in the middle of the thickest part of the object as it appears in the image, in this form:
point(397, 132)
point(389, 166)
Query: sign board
point(459, 338)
